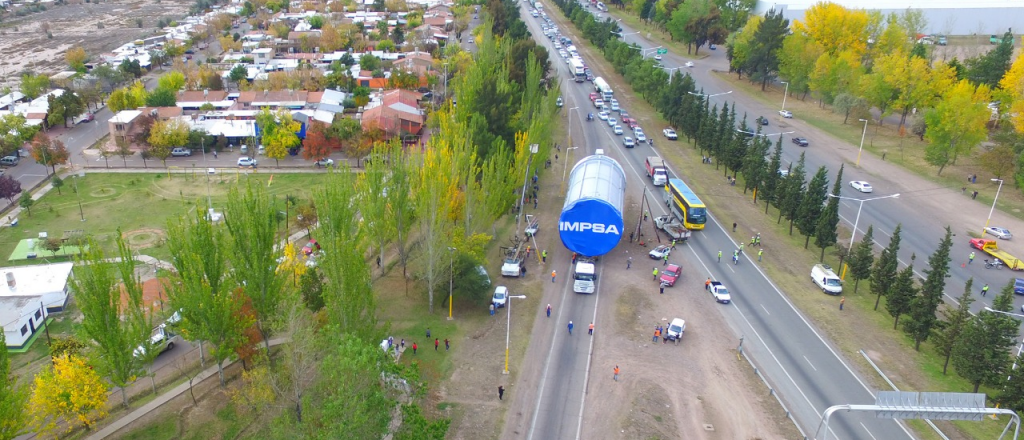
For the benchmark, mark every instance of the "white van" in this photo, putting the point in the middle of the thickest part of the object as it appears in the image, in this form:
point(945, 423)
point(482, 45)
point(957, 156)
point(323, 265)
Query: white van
point(827, 280)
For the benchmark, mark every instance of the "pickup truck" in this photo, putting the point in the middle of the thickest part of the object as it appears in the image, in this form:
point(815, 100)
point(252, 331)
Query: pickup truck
point(672, 227)
point(656, 170)
point(719, 292)
point(674, 330)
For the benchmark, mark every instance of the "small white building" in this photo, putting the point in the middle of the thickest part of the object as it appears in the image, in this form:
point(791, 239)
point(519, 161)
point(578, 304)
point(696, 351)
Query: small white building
point(29, 294)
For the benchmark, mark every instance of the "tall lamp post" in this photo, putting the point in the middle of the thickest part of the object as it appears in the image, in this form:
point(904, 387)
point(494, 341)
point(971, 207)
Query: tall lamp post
point(862, 134)
point(785, 94)
point(526, 176)
point(993, 205)
point(853, 233)
point(569, 115)
point(566, 164)
point(451, 278)
point(508, 326)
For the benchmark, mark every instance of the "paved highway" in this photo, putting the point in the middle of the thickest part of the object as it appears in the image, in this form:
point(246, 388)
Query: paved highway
point(806, 369)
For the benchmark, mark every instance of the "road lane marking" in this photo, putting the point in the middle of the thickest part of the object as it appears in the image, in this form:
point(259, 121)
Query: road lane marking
point(809, 363)
point(551, 350)
point(590, 357)
point(765, 309)
point(868, 430)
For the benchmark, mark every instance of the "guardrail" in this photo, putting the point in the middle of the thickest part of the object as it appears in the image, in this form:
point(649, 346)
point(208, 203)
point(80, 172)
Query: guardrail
point(771, 389)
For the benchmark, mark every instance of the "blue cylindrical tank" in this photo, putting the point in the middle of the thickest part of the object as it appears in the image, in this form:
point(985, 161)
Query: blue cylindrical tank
point(591, 221)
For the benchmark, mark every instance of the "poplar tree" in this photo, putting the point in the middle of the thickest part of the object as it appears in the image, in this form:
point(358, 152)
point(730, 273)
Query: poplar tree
point(953, 323)
point(886, 267)
point(374, 204)
point(117, 326)
point(811, 205)
point(922, 311)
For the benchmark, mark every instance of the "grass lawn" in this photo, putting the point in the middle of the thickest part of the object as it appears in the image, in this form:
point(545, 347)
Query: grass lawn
point(140, 205)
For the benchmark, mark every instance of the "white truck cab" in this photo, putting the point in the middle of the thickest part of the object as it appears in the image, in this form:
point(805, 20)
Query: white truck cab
point(827, 280)
point(584, 277)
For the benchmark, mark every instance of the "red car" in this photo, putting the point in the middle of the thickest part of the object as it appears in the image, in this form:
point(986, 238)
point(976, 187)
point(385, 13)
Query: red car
point(630, 122)
point(593, 96)
point(979, 243)
point(671, 274)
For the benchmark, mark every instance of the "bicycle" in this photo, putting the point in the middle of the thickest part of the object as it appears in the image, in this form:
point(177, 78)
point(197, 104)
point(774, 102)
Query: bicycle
point(994, 263)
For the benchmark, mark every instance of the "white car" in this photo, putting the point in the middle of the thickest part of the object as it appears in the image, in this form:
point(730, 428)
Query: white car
point(670, 134)
point(689, 64)
point(500, 296)
point(615, 106)
point(660, 252)
point(246, 161)
point(861, 186)
point(325, 162)
point(657, 57)
point(628, 142)
point(602, 116)
point(611, 121)
point(786, 114)
point(617, 129)
point(640, 136)
point(998, 232)
point(181, 152)
point(598, 103)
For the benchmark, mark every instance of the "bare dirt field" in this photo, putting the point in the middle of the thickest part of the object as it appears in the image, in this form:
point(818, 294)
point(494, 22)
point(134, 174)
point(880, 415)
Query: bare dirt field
point(96, 27)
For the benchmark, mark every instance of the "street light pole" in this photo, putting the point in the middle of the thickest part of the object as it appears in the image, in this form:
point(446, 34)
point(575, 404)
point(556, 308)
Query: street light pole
point(785, 94)
point(566, 164)
point(526, 177)
point(993, 205)
point(853, 233)
point(569, 117)
point(451, 278)
point(508, 326)
point(862, 134)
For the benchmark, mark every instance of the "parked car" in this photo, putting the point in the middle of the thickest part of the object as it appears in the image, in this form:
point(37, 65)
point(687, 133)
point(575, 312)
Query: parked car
point(786, 114)
point(719, 292)
point(500, 296)
point(999, 232)
point(246, 161)
point(674, 331)
point(801, 141)
point(670, 134)
point(689, 64)
point(671, 274)
point(325, 162)
point(762, 120)
point(181, 152)
point(861, 186)
point(9, 161)
point(660, 252)
point(89, 117)
point(559, 102)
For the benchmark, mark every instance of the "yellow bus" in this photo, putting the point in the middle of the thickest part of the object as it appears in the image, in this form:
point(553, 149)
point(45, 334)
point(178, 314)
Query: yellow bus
point(687, 206)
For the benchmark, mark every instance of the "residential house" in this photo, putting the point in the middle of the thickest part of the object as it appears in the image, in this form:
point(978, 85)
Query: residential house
point(255, 100)
point(29, 295)
point(194, 99)
point(122, 126)
point(397, 112)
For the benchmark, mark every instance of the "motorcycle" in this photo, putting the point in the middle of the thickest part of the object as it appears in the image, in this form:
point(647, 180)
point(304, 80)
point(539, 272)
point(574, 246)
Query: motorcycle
point(590, 116)
point(996, 263)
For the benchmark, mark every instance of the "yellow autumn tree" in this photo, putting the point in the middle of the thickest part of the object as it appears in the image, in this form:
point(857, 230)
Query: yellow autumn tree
point(291, 265)
point(71, 391)
point(836, 28)
point(836, 73)
point(1012, 86)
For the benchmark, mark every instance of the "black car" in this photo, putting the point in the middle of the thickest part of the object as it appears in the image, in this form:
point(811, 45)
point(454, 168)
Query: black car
point(801, 141)
point(762, 121)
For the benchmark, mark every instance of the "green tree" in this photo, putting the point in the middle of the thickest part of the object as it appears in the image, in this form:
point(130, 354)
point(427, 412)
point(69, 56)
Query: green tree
point(796, 61)
point(740, 44)
point(252, 225)
point(902, 294)
point(957, 124)
point(372, 187)
point(49, 152)
point(861, 257)
point(696, 23)
point(954, 322)
point(792, 193)
point(772, 185)
point(922, 312)
point(238, 73)
point(172, 81)
point(165, 135)
point(26, 202)
point(13, 397)
point(316, 21)
point(14, 132)
point(982, 354)
point(361, 408)
point(113, 313)
point(755, 165)
point(33, 86)
point(886, 267)
point(162, 97)
point(403, 204)
point(989, 68)
point(311, 285)
point(827, 228)
point(202, 291)
point(811, 205)
point(763, 62)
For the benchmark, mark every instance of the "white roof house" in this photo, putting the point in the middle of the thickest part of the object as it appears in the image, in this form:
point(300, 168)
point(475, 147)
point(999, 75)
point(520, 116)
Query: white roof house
point(28, 295)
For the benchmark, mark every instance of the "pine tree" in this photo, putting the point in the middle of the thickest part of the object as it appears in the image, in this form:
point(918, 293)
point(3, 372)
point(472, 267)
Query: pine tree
point(754, 165)
point(886, 267)
point(792, 193)
point(771, 188)
point(953, 323)
point(1012, 395)
point(862, 256)
point(982, 355)
point(902, 293)
point(826, 232)
point(811, 205)
point(922, 311)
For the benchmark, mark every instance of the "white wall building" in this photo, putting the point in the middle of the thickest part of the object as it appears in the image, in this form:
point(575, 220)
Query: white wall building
point(28, 295)
point(947, 17)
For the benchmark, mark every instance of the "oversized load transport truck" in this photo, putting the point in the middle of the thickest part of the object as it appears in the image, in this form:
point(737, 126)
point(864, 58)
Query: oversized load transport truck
point(591, 222)
point(578, 70)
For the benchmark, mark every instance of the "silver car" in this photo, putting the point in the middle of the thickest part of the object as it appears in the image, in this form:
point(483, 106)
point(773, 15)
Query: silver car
point(998, 232)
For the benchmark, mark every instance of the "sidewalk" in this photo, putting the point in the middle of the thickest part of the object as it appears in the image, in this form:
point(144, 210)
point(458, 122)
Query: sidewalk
point(160, 400)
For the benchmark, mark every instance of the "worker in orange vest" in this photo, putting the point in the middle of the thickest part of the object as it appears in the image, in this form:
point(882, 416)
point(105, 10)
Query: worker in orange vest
point(591, 331)
point(707, 284)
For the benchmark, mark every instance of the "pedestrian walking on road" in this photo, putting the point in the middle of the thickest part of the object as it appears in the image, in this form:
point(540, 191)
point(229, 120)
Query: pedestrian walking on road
point(501, 392)
point(719, 255)
point(570, 328)
point(655, 274)
point(970, 258)
point(665, 259)
point(549, 310)
point(616, 375)
point(629, 262)
point(707, 284)
point(673, 244)
point(553, 275)
point(534, 203)
point(759, 254)
point(984, 290)
point(841, 302)
point(591, 330)
point(436, 343)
